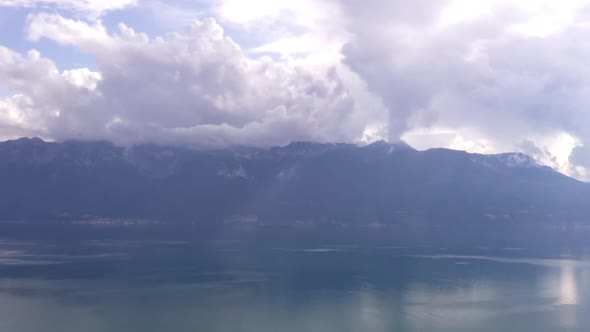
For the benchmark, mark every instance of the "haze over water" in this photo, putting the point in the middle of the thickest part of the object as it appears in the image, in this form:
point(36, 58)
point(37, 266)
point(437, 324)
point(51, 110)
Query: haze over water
point(175, 286)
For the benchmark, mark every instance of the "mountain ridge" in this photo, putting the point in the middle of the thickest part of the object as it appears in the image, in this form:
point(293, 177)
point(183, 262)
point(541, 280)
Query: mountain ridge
point(319, 182)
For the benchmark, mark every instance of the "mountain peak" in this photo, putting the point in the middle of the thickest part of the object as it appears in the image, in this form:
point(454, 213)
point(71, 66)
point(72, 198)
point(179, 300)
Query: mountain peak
point(303, 147)
point(28, 140)
point(389, 147)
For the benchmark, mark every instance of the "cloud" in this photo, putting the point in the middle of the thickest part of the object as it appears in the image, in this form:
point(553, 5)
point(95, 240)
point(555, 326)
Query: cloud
point(88, 8)
point(287, 28)
point(42, 92)
point(197, 88)
point(64, 31)
point(18, 118)
point(504, 75)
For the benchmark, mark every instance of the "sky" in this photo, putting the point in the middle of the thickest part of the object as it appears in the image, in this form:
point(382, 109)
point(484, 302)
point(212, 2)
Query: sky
point(485, 76)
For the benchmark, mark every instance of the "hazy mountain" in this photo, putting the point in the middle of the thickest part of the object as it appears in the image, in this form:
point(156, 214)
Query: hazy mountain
point(302, 183)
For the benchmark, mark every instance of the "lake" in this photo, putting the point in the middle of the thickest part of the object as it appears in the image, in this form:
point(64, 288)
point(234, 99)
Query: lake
point(179, 286)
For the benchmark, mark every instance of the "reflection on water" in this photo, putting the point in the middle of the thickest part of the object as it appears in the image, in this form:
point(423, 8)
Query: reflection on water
point(373, 316)
point(557, 263)
point(179, 287)
point(568, 286)
point(568, 295)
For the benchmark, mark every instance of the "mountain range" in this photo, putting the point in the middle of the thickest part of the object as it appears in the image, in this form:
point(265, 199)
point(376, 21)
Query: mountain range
point(303, 183)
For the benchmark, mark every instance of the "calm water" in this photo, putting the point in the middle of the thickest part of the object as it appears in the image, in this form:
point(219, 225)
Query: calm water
point(167, 286)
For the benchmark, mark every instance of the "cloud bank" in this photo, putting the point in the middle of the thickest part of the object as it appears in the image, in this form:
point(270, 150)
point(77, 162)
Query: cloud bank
point(197, 88)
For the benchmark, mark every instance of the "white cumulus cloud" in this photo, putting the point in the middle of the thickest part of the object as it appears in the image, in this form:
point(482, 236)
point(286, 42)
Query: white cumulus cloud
point(198, 88)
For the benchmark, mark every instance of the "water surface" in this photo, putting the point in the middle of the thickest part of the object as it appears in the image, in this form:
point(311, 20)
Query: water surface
point(177, 286)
